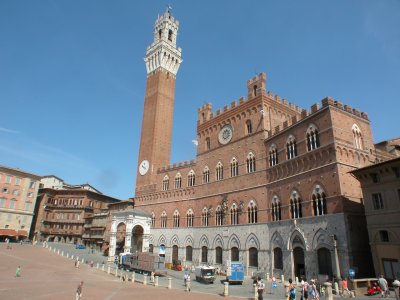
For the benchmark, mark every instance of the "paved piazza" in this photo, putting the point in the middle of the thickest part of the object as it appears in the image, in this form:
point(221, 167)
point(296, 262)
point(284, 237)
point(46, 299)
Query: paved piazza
point(46, 275)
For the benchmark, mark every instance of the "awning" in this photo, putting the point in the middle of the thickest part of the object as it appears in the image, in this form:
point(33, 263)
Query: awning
point(22, 233)
point(8, 232)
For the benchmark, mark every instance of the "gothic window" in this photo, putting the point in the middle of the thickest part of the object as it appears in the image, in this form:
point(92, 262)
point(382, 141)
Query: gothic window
point(178, 181)
point(291, 148)
point(220, 171)
point(249, 128)
point(208, 144)
point(312, 138)
point(206, 175)
point(159, 34)
point(176, 218)
point(251, 163)
point(384, 234)
point(276, 209)
point(153, 220)
point(163, 219)
point(218, 255)
point(204, 254)
point(218, 216)
point(253, 257)
point(319, 201)
point(234, 214)
point(255, 90)
point(189, 253)
point(278, 258)
point(377, 201)
point(357, 137)
point(252, 212)
point(191, 178)
point(234, 167)
point(295, 206)
point(204, 217)
point(273, 155)
point(165, 183)
point(234, 254)
point(170, 35)
point(189, 218)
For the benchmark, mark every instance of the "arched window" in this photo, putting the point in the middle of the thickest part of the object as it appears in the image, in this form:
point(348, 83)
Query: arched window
point(234, 214)
point(234, 254)
point(170, 35)
point(163, 219)
point(253, 257)
point(178, 181)
point(204, 217)
point(189, 253)
point(273, 155)
point(151, 248)
point(204, 254)
point(189, 218)
point(251, 163)
point(255, 90)
point(153, 220)
point(295, 206)
point(278, 259)
point(357, 137)
point(252, 212)
point(218, 255)
point(208, 144)
point(234, 167)
point(324, 261)
point(220, 171)
point(291, 147)
point(219, 216)
point(176, 218)
point(249, 128)
point(206, 175)
point(191, 178)
point(165, 183)
point(276, 209)
point(312, 138)
point(319, 201)
point(159, 34)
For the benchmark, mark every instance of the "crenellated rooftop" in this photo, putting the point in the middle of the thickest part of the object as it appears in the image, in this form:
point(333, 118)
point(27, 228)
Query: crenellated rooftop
point(179, 165)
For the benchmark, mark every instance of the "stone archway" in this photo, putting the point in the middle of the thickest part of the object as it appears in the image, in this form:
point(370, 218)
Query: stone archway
point(298, 262)
point(137, 239)
point(120, 238)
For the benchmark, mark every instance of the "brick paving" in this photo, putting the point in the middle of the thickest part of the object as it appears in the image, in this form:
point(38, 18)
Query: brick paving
point(46, 275)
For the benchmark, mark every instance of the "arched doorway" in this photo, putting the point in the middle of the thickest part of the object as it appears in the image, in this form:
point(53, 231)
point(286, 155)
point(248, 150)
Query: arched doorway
point(324, 261)
point(137, 239)
point(298, 262)
point(234, 254)
point(175, 252)
point(120, 238)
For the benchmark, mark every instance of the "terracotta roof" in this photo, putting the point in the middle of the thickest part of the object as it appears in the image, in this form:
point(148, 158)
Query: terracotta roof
point(8, 232)
point(22, 233)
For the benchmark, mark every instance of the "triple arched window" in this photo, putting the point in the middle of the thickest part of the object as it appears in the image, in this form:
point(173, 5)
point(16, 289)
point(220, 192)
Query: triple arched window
point(295, 206)
point(176, 218)
point(191, 178)
point(163, 219)
point(234, 214)
point(219, 216)
point(234, 167)
point(291, 147)
point(319, 201)
point(204, 217)
point(206, 175)
point(153, 220)
point(189, 218)
point(178, 180)
point(276, 209)
point(273, 155)
point(252, 212)
point(312, 138)
point(251, 163)
point(165, 183)
point(219, 171)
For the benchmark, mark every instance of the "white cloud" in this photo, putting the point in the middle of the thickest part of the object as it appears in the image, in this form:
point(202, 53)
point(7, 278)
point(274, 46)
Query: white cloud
point(8, 130)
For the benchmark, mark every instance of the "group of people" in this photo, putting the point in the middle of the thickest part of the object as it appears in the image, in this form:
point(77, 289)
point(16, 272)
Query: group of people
point(308, 290)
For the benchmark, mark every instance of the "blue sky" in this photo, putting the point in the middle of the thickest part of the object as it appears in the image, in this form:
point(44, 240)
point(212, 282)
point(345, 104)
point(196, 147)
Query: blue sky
point(72, 75)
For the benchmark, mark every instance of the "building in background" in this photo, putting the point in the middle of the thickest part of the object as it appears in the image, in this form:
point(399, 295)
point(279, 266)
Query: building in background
point(62, 209)
point(270, 185)
point(381, 192)
point(18, 193)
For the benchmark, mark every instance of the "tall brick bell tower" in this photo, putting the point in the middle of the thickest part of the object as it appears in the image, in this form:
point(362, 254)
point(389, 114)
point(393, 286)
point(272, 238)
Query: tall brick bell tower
point(162, 60)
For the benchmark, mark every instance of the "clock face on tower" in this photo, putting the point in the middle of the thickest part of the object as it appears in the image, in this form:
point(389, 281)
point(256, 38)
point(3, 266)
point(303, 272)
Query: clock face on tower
point(144, 167)
point(225, 135)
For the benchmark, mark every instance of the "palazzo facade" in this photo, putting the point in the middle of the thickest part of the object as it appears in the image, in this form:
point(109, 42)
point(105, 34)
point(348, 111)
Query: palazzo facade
point(269, 186)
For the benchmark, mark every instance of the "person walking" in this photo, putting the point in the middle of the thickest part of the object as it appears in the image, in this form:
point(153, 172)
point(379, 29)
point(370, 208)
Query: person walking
point(18, 272)
point(312, 290)
point(292, 290)
point(188, 283)
point(383, 284)
point(304, 289)
point(260, 288)
point(78, 294)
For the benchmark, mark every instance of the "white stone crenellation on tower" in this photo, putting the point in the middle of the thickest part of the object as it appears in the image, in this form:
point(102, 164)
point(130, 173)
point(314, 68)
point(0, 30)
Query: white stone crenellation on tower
point(163, 53)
